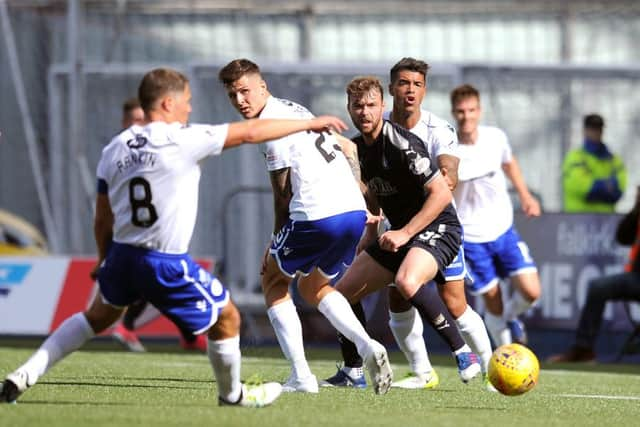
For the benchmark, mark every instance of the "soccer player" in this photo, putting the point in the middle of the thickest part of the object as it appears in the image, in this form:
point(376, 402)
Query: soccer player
point(408, 87)
point(319, 218)
point(492, 247)
point(124, 331)
point(146, 206)
point(399, 177)
point(248, 93)
point(133, 114)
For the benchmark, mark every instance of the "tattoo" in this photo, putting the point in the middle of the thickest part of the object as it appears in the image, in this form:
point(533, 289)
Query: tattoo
point(350, 151)
point(355, 167)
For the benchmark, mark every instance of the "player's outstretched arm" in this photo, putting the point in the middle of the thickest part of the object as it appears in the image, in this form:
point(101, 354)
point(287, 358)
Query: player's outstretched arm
point(256, 131)
point(530, 205)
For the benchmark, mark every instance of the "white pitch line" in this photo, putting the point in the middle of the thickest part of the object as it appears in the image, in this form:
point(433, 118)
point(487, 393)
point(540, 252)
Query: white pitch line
point(598, 396)
point(583, 373)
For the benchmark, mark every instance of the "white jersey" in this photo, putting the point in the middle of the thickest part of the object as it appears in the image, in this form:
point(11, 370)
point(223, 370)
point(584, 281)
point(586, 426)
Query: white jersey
point(321, 180)
point(483, 203)
point(152, 174)
point(439, 136)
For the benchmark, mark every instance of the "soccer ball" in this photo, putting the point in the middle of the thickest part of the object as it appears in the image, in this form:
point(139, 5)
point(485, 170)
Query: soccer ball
point(513, 369)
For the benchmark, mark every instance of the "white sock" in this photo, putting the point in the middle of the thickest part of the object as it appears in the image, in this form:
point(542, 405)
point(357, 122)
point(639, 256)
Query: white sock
point(498, 329)
point(225, 359)
point(475, 334)
point(286, 324)
point(515, 306)
point(67, 338)
point(407, 329)
point(336, 309)
point(353, 372)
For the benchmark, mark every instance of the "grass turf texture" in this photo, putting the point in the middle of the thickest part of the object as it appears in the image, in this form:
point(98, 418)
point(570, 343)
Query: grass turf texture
point(103, 387)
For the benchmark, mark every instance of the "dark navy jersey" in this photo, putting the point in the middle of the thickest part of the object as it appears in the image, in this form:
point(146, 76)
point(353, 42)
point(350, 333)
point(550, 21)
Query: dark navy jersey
point(396, 168)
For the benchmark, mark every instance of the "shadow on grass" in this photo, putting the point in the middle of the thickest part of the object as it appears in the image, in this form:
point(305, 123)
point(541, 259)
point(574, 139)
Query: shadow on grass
point(120, 385)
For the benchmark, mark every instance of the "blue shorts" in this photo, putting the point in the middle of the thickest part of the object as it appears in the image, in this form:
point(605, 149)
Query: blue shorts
point(175, 284)
point(328, 244)
point(489, 262)
point(457, 269)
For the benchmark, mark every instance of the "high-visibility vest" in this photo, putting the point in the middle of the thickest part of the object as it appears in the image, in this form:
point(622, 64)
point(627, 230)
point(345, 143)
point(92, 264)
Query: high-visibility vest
point(579, 172)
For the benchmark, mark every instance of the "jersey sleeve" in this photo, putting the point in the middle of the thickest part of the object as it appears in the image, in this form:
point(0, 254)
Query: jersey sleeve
point(445, 141)
point(201, 141)
point(506, 154)
point(277, 153)
point(423, 168)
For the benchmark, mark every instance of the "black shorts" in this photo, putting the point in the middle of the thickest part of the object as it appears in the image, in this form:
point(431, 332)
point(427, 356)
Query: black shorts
point(440, 240)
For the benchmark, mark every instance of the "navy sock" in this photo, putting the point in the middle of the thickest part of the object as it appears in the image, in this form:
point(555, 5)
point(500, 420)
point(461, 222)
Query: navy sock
point(430, 306)
point(349, 351)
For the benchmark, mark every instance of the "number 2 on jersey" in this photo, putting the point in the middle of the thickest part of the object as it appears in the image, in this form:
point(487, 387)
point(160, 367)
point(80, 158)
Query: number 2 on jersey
point(329, 154)
point(143, 213)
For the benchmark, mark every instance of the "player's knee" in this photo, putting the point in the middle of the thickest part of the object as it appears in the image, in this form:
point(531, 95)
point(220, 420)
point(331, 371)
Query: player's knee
point(454, 298)
point(275, 288)
point(100, 315)
point(407, 285)
point(493, 303)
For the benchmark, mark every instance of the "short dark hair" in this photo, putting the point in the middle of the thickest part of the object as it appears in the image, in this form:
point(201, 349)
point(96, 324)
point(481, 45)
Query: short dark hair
point(593, 121)
point(237, 69)
point(130, 105)
point(410, 64)
point(364, 84)
point(462, 92)
point(157, 83)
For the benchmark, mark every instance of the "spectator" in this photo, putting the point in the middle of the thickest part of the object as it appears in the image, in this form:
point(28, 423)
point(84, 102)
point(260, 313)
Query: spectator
point(593, 178)
point(616, 287)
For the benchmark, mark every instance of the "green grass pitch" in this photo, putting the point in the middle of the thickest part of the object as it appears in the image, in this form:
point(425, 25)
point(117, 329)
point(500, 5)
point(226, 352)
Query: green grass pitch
point(106, 387)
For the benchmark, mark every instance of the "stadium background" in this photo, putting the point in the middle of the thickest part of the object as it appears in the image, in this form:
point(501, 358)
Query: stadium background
point(66, 67)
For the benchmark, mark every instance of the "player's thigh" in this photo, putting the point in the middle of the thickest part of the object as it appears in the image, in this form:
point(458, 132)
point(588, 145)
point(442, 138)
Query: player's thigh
point(275, 284)
point(101, 314)
point(364, 276)
point(528, 284)
point(314, 286)
point(418, 267)
point(453, 296)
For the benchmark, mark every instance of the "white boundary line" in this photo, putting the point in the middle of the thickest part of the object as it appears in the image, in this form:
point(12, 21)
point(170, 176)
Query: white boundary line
point(597, 396)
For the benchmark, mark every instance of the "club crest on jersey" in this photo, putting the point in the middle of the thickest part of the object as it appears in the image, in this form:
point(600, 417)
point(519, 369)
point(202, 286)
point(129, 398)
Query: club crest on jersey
point(380, 187)
point(419, 165)
point(138, 142)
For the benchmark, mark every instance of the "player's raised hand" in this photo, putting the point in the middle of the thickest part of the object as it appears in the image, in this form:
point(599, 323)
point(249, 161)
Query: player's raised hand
point(327, 123)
